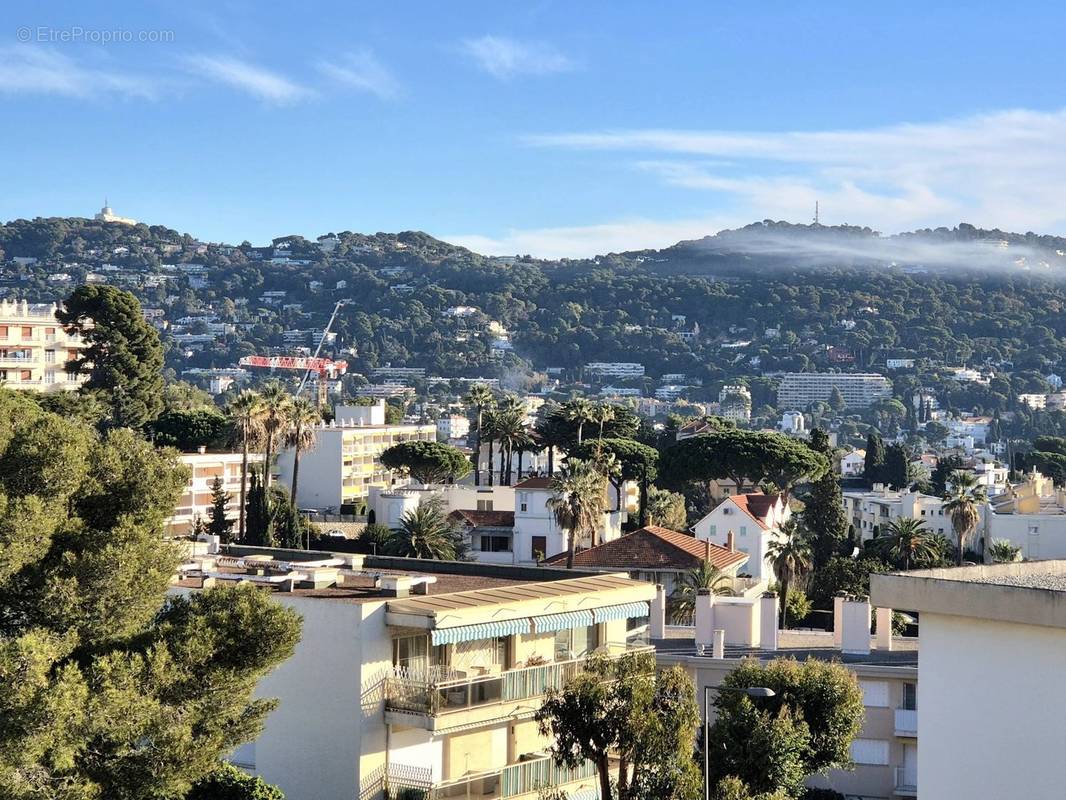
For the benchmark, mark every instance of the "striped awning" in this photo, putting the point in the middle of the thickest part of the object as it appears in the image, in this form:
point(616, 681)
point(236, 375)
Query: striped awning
point(484, 630)
point(585, 793)
point(564, 621)
point(624, 611)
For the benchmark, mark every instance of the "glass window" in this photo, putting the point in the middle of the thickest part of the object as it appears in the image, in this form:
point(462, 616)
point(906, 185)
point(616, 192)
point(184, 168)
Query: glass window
point(411, 652)
point(484, 505)
point(910, 696)
point(573, 643)
point(495, 544)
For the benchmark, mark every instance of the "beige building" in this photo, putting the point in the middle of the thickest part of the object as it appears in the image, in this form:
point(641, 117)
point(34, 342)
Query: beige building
point(859, 390)
point(418, 678)
point(34, 348)
point(196, 499)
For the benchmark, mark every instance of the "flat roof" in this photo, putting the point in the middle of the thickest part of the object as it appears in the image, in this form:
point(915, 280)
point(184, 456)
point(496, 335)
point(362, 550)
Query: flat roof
point(1028, 592)
point(801, 645)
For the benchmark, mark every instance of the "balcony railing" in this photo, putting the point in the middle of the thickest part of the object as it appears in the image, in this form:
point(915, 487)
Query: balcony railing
point(906, 722)
point(439, 693)
point(526, 777)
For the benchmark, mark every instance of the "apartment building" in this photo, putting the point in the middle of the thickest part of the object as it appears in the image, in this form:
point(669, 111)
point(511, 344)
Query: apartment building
point(196, 498)
point(990, 688)
point(420, 679)
point(735, 403)
point(344, 463)
point(1031, 516)
point(34, 348)
point(614, 369)
point(859, 390)
point(728, 630)
point(869, 511)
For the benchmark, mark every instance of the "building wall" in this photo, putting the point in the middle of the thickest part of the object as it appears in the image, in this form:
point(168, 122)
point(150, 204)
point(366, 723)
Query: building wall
point(196, 497)
point(972, 675)
point(34, 349)
point(1040, 536)
point(800, 389)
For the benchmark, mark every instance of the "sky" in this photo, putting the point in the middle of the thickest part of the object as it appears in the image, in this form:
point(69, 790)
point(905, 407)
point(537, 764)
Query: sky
point(549, 128)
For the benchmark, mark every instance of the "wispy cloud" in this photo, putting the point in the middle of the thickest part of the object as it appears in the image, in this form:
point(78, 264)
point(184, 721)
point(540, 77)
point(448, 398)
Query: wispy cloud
point(26, 69)
point(1001, 169)
point(504, 58)
point(362, 71)
point(261, 83)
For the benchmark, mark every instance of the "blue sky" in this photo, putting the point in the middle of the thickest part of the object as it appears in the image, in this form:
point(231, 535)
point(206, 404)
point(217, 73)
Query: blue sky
point(549, 128)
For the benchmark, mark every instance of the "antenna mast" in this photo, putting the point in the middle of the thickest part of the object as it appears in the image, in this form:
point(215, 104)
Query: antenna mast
point(816, 212)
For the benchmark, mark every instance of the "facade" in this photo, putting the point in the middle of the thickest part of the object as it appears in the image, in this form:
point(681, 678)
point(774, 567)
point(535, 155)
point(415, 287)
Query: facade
point(852, 464)
point(343, 465)
point(415, 678)
point(35, 348)
point(196, 498)
point(794, 423)
point(993, 645)
point(1031, 516)
point(536, 533)
point(106, 214)
point(869, 511)
point(735, 403)
point(453, 427)
point(800, 389)
point(748, 522)
point(615, 369)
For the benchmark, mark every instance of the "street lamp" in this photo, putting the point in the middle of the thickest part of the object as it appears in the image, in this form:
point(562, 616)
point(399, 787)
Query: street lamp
point(754, 692)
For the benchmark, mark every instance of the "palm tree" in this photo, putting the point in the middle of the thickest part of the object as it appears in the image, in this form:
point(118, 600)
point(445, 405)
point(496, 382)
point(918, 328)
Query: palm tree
point(581, 411)
point(300, 436)
point(245, 415)
point(525, 443)
point(577, 501)
point(426, 532)
point(791, 557)
point(510, 431)
point(906, 540)
point(276, 402)
point(481, 398)
point(603, 413)
point(1002, 551)
point(705, 576)
point(666, 508)
point(552, 431)
point(963, 504)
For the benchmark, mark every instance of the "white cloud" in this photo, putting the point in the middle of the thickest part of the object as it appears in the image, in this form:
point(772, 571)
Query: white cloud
point(362, 70)
point(25, 69)
point(503, 58)
point(259, 82)
point(1002, 169)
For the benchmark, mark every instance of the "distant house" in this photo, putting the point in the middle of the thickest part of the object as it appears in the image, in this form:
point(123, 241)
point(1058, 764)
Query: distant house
point(852, 464)
point(753, 521)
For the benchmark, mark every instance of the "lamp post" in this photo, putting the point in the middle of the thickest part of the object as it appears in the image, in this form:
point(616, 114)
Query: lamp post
point(754, 692)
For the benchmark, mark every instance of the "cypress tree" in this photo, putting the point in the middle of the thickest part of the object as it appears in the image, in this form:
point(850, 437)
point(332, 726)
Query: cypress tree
point(218, 525)
point(894, 471)
point(824, 515)
point(873, 467)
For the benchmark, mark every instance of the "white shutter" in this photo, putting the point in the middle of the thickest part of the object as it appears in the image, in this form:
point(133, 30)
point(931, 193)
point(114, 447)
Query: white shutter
point(869, 751)
point(874, 694)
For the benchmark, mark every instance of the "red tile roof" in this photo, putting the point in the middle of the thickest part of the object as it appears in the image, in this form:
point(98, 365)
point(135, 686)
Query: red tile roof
point(482, 519)
point(654, 548)
point(536, 482)
point(757, 506)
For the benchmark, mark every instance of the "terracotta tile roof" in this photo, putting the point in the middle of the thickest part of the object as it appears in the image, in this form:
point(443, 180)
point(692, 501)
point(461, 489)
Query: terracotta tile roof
point(654, 548)
point(481, 519)
point(757, 506)
point(536, 482)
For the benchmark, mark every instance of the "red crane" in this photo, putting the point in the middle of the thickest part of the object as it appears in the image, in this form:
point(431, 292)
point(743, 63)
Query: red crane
point(323, 367)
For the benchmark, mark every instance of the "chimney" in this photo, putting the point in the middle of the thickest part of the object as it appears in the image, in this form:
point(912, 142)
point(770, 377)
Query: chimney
point(884, 629)
point(855, 636)
point(731, 542)
point(838, 617)
point(657, 620)
point(201, 449)
point(768, 621)
point(704, 618)
point(718, 651)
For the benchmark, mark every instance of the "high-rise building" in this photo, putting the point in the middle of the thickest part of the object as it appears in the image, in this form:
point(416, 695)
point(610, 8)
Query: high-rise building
point(34, 348)
point(859, 390)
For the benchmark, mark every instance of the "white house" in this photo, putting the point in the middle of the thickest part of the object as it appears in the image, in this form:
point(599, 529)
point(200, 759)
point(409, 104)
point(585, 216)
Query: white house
point(753, 521)
point(537, 534)
point(852, 464)
point(793, 422)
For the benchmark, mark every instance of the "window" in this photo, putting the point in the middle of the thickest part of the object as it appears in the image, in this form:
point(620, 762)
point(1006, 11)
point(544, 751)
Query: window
point(874, 694)
point(411, 652)
point(540, 548)
point(576, 642)
point(714, 531)
point(743, 530)
point(523, 501)
point(27, 332)
point(49, 356)
point(910, 697)
point(869, 751)
point(495, 544)
point(3, 331)
point(484, 505)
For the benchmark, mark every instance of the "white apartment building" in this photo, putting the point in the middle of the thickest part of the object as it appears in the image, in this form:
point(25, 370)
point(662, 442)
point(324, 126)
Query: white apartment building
point(615, 369)
point(899, 363)
point(1034, 401)
point(453, 427)
point(870, 511)
point(852, 464)
point(196, 498)
point(977, 427)
point(342, 466)
point(859, 390)
point(416, 678)
point(989, 679)
point(35, 348)
point(735, 403)
point(536, 533)
point(748, 522)
point(793, 422)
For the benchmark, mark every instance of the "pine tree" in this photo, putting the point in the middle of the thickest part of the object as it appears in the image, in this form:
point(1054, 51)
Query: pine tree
point(824, 515)
point(836, 400)
point(894, 471)
point(873, 468)
point(218, 524)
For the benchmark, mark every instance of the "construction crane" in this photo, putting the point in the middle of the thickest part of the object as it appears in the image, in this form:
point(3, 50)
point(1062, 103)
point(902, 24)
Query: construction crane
point(323, 367)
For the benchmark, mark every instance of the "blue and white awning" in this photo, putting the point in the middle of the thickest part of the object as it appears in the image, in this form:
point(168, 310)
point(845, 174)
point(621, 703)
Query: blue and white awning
point(484, 630)
point(625, 611)
point(564, 621)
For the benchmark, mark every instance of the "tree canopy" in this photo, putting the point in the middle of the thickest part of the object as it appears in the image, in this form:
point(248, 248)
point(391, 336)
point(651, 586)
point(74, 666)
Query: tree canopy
point(427, 462)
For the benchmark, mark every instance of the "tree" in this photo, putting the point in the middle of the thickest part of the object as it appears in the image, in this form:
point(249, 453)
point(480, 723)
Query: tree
point(218, 524)
point(843, 574)
point(577, 502)
point(300, 436)
point(245, 415)
point(275, 409)
point(823, 513)
point(226, 782)
point(790, 555)
point(622, 711)
point(426, 462)
point(945, 466)
point(579, 411)
point(683, 599)
point(894, 471)
point(874, 463)
point(552, 431)
point(666, 509)
point(480, 397)
point(109, 686)
point(636, 461)
point(1002, 551)
point(774, 743)
point(123, 356)
point(259, 530)
point(426, 532)
point(963, 505)
point(602, 413)
point(836, 400)
point(906, 541)
point(189, 430)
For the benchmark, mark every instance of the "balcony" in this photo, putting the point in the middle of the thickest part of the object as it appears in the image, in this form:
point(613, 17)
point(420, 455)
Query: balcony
point(515, 780)
point(440, 693)
point(906, 782)
point(906, 722)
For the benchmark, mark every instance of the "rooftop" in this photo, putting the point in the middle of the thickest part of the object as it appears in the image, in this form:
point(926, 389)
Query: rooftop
point(653, 547)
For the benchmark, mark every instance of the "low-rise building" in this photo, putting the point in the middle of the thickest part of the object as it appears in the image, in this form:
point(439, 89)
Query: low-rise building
point(538, 535)
point(748, 523)
point(615, 369)
point(853, 464)
point(453, 427)
point(196, 498)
